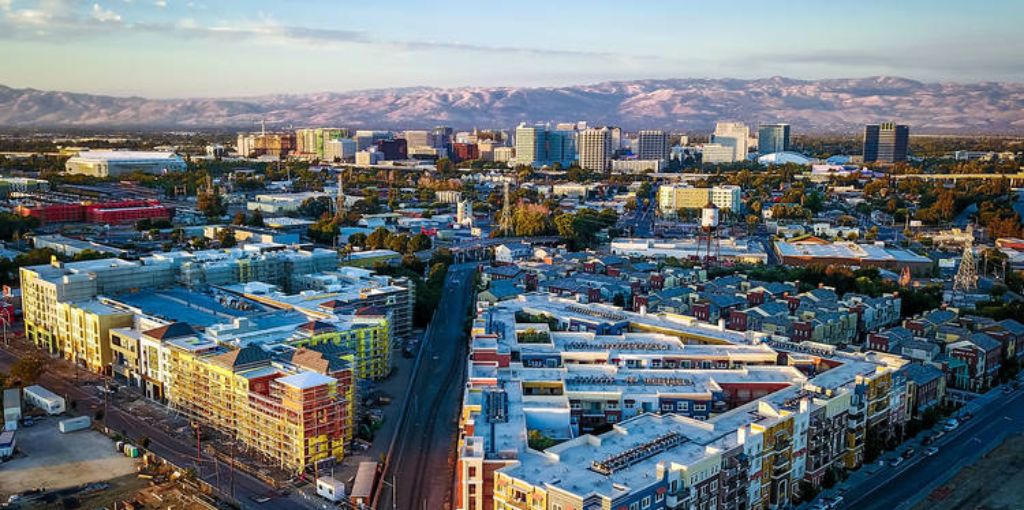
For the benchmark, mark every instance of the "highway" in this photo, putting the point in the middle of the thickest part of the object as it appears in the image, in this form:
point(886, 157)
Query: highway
point(183, 454)
point(417, 475)
point(902, 487)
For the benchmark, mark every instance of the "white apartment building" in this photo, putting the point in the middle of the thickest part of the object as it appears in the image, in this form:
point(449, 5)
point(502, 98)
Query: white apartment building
point(595, 149)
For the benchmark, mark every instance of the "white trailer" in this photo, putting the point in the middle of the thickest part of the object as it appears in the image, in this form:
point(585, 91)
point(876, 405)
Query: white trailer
point(12, 408)
point(73, 424)
point(44, 399)
point(330, 489)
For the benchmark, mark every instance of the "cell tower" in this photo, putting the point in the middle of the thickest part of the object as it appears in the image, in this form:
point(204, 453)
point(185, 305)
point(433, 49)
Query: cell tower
point(339, 205)
point(708, 247)
point(966, 278)
point(505, 224)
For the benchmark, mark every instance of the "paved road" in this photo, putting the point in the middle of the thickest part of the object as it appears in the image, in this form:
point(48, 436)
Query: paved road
point(903, 486)
point(178, 452)
point(418, 476)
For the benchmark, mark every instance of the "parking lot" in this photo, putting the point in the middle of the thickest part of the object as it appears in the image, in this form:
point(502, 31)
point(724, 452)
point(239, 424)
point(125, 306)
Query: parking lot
point(52, 460)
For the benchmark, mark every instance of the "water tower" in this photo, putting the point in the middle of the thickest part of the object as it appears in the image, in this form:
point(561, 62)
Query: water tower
point(708, 249)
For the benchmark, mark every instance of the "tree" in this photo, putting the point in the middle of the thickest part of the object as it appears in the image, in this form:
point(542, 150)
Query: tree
point(255, 219)
point(226, 237)
point(419, 242)
point(239, 219)
point(324, 231)
point(211, 205)
point(315, 207)
point(358, 240)
point(28, 368)
point(378, 239)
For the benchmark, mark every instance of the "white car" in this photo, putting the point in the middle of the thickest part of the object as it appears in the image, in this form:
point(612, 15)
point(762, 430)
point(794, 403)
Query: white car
point(951, 424)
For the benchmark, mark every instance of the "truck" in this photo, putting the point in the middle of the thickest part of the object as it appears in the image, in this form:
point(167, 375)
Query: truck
point(12, 408)
point(73, 424)
point(44, 399)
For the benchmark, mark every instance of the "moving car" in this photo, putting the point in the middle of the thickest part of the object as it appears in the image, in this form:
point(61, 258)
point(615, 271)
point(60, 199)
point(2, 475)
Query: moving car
point(931, 451)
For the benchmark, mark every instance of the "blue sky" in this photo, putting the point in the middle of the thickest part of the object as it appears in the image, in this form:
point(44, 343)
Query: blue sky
point(182, 48)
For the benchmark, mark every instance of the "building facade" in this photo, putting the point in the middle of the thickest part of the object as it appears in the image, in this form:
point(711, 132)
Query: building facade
point(595, 149)
point(772, 138)
point(886, 142)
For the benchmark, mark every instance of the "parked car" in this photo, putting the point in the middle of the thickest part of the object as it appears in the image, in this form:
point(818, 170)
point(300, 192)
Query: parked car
point(896, 462)
point(966, 416)
point(931, 451)
point(951, 424)
point(1007, 389)
point(908, 453)
point(928, 439)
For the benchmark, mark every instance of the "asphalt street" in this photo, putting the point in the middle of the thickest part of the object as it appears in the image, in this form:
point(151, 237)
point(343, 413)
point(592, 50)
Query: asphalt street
point(898, 488)
point(418, 475)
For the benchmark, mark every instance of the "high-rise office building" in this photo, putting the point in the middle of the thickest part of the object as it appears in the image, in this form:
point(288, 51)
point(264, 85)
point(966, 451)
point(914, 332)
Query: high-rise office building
point(443, 136)
point(311, 142)
point(886, 142)
point(732, 134)
point(595, 148)
point(652, 144)
point(419, 138)
point(537, 146)
point(772, 138)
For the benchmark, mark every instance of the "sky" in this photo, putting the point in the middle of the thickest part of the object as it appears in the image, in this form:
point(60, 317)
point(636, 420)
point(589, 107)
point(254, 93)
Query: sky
point(207, 48)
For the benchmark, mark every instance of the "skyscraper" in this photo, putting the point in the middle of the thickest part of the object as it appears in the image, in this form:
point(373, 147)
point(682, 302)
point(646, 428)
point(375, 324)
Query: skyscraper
point(595, 148)
point(772, 138)
point(537, 146)
point(732, 134)
point(652, 144)
point(886, 142)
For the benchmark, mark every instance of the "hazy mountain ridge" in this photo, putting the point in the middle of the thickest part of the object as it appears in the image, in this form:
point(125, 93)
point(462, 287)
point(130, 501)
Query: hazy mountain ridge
point(833, 105)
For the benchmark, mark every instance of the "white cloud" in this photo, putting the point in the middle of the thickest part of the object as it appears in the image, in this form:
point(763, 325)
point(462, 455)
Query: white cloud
point(160, 3)
point(105, 15)
point(5, 5)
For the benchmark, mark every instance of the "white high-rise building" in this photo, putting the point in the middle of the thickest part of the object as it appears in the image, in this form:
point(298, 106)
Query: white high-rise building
point(595, 149)
point(735, 135)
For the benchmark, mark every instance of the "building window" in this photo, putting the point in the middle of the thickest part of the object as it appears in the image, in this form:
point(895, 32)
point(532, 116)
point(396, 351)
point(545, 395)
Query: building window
point(699, 407)
point(646, 502)
point(659, 497)
point(682, 405)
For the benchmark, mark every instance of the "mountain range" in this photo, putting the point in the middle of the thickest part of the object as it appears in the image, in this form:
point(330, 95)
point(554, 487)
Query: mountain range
point(692, 105)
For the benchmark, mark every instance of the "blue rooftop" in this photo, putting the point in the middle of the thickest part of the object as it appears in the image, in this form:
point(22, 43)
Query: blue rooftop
point(182, 305)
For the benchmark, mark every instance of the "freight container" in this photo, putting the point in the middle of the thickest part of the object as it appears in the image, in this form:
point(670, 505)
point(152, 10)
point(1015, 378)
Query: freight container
point(365, 481)
point(330, 488)
point(73, 424)
point(44, 399)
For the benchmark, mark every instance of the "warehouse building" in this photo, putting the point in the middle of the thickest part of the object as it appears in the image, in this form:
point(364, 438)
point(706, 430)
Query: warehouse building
point(115, 163)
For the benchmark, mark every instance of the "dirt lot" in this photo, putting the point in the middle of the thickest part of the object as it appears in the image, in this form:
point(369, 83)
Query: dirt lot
point(996, 482)
point(53, 460)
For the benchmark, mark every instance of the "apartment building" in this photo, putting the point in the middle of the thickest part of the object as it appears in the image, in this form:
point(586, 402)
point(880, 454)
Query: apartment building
point(49, 290)
point(758, 434)
point(295, 408)
point(676, 197)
